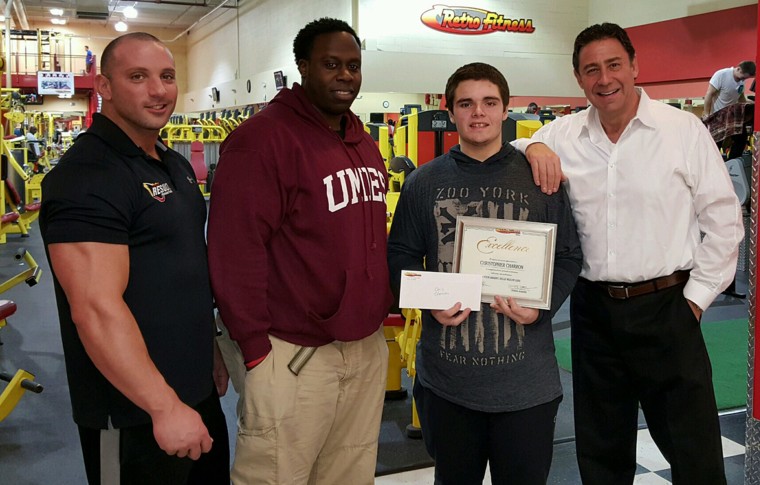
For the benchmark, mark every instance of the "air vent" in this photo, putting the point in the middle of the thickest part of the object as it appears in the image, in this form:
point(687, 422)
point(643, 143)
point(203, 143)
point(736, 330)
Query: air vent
point(92, 15)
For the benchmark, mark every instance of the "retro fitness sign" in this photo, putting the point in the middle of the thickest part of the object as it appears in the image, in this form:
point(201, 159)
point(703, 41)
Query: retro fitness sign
point(473, 21)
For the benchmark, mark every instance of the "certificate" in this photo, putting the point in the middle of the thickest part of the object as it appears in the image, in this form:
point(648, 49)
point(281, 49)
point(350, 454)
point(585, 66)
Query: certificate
point(428, 290)
point(515, 258)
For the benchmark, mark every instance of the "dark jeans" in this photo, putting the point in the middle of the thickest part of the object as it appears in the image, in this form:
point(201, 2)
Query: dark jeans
point(142, 462)
point(518, 445)
point(647, 349)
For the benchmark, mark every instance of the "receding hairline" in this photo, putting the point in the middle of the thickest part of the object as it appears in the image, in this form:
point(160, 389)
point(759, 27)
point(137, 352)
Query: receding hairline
point(113, 49)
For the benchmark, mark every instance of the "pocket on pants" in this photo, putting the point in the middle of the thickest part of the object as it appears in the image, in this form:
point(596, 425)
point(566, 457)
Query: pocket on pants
point(270, 392)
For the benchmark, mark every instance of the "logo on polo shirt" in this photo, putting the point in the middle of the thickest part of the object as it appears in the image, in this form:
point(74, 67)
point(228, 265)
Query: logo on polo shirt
point(158, 191)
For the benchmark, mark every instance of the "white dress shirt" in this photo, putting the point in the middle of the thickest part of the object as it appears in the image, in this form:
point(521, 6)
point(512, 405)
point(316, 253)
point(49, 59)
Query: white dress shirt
point(657, 201)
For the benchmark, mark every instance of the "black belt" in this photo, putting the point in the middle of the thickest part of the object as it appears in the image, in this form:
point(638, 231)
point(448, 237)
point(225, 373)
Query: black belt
point(623, 291)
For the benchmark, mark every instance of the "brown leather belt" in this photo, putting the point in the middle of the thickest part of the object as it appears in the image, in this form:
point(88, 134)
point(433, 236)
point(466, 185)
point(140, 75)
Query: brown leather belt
point(623, 291)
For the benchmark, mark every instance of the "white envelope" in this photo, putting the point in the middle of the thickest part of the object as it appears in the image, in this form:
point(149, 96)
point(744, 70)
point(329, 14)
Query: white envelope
point(439, 291)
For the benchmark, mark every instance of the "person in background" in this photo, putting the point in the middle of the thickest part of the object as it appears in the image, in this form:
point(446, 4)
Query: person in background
point(532, 109)
point(660, 228)
point(487, 380)
point(726, 88)
point(32, 142)
point(123, 225)
point(88, 59)
point(297, 252)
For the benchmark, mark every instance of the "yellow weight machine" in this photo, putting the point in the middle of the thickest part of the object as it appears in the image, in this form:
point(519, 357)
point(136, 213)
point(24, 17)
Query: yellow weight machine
point(402, 350)
point(17, 214)
point(21, 381)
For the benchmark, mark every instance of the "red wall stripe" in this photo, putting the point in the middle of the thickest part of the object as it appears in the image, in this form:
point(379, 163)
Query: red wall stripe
point(695, 47)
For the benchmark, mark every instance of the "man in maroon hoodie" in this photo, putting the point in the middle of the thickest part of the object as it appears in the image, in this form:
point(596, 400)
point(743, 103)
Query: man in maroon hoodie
point(297, 253)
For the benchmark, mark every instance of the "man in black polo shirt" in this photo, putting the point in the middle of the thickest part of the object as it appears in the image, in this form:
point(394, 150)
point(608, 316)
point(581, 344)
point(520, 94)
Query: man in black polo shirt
point(123, 224)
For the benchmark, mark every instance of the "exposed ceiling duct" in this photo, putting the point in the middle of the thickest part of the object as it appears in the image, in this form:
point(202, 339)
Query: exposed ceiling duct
point(92, 9)
point(18, 8)
point(92, 15)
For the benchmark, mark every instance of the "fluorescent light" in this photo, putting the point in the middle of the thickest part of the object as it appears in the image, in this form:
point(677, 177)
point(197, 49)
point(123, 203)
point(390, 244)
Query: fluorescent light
point(120, 26)
point(130, 12)
point(56, 11)
point(58, 21)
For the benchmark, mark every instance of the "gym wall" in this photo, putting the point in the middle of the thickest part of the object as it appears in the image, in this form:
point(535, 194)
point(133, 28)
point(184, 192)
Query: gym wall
point(404, 56)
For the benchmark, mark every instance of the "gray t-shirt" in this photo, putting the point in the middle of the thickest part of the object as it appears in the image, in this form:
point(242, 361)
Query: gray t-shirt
point(488, 363)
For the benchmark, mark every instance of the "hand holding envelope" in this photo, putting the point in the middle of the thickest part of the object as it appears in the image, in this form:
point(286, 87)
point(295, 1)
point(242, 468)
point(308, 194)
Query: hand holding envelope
point(429, 290)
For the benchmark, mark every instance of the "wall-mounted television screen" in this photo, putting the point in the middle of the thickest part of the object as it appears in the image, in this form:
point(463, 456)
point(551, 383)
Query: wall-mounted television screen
point(31, 98)
point(280, 80)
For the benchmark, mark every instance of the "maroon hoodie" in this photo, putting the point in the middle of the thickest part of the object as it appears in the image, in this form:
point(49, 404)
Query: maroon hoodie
point(297, 232)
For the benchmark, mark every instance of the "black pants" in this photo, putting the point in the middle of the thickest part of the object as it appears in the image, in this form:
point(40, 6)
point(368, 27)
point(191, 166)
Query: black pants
point(142, 462)
point(648, 349)
point(738, 143)
point(518, 445)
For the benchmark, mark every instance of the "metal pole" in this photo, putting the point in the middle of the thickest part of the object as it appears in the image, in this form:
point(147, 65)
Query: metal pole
point(752, 434)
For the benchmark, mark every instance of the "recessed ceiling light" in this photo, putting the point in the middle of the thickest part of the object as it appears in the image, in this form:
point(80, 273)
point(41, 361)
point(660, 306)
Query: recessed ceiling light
point(56, 11)
point(120, 26)
point(58, 21)
point(130, 12)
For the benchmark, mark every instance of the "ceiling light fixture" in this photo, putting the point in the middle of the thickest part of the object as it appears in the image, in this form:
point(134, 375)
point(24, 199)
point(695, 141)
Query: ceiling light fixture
point(56, 11)
point(58, 21)
point(130, 12)
point(120, 26)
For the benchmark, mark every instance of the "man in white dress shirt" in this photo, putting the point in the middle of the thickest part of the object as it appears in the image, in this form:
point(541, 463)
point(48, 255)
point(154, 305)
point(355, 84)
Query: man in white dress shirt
point(660, 226)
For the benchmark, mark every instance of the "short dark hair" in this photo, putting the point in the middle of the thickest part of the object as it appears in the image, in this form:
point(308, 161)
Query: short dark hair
point(600, 32)
point(106, 58)
point(476, 71)
point(304, 41)
point(747, 67)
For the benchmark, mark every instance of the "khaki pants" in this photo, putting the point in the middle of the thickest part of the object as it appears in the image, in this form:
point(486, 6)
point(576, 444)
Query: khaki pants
point(320, 427)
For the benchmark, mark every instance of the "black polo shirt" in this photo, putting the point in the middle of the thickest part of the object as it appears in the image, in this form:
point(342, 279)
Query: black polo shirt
point(106, 189)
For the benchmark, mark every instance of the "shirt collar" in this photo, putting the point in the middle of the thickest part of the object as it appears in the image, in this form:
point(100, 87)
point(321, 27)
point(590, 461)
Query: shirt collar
point(643, 115)
point(112, 135)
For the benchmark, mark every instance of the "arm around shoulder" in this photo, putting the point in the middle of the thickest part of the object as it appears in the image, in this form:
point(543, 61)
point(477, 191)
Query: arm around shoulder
point(544, 162)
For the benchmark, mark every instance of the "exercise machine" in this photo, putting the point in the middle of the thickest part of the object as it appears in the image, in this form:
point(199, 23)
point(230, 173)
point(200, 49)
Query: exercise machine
point(22, 380)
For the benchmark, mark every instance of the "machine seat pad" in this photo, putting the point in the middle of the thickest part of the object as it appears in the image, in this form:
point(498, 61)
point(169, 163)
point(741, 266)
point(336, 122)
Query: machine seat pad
point(9, 217)
point(7, 308)
point(394, 320)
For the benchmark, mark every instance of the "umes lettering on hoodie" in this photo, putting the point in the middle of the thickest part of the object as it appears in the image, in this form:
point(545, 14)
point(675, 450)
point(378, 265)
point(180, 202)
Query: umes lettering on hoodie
point(365, 183)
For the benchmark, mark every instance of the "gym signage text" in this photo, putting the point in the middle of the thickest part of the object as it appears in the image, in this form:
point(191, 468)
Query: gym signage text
point(472, 21)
